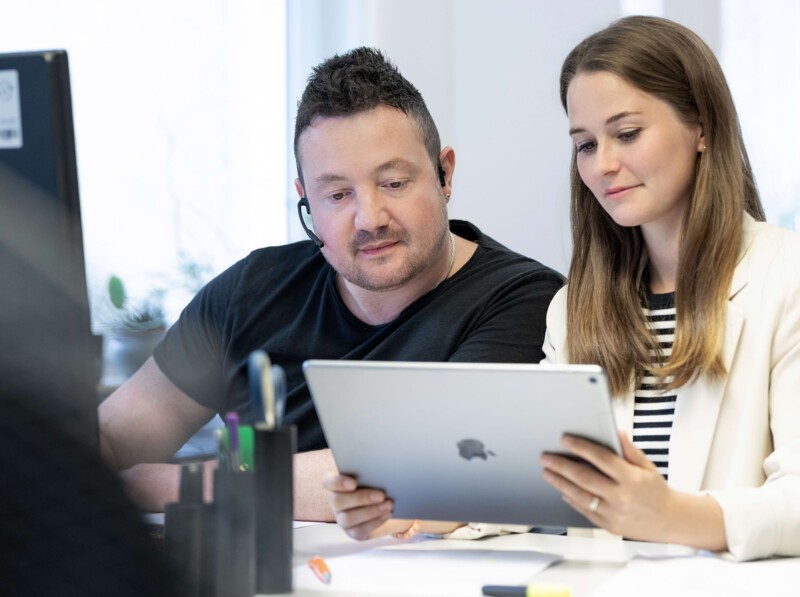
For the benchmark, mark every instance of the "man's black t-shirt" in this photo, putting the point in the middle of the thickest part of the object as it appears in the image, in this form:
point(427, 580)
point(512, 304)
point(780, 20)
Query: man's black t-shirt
point(284, 300)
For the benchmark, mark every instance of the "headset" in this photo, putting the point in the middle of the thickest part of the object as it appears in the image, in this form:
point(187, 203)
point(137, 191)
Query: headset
point(306, 222)
point(304, 211)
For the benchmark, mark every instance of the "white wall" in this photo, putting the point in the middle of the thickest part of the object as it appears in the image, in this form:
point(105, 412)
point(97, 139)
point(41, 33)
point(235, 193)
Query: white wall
point(489, 74)
point(513, 175)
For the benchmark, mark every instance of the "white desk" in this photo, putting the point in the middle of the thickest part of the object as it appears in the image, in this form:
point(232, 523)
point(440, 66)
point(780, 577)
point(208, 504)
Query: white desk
point(586, 564)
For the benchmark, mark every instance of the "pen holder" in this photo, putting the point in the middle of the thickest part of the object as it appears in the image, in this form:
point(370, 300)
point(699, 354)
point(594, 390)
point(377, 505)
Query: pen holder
point(273, 453)
point(235, 533)
point(189, 535)
point(183, 543)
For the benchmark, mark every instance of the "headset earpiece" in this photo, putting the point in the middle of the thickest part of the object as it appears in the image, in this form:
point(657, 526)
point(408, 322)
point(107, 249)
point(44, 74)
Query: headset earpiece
point(442, 176)
point(306, 222)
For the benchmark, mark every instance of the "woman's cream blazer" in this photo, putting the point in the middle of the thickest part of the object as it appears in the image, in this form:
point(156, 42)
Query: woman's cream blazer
point(739, 439)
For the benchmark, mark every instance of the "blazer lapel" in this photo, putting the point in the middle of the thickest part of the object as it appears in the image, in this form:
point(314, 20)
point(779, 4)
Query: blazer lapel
point(696, 413)
point(699, 403)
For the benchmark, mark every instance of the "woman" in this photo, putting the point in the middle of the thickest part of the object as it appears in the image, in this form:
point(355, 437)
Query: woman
point(685, 297)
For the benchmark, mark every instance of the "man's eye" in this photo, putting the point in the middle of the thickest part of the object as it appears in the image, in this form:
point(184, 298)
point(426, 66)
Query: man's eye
point(396, 185)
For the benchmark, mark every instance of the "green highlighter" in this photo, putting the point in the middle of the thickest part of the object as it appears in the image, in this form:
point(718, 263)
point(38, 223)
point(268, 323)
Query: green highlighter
point(245, 446)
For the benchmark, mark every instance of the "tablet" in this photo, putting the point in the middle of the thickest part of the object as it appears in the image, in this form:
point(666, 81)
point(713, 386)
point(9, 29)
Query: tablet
point(460, 441)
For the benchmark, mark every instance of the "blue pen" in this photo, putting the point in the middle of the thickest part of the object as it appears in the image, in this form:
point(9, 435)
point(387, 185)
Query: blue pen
point(232, 424)
point(279, 390)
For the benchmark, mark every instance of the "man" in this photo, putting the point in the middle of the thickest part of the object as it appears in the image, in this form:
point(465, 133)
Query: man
point(385, 277)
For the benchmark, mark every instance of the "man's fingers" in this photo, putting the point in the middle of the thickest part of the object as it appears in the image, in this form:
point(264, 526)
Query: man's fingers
point(371, 529)
point(350, 500)
point(360, 522)
point(337, 482)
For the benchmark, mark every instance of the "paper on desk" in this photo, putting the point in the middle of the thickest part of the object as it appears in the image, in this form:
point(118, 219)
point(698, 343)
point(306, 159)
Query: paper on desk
point(425, 572)
point(704, 576)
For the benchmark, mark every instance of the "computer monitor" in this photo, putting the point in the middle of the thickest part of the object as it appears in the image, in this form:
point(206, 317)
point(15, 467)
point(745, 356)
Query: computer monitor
point(46, 347)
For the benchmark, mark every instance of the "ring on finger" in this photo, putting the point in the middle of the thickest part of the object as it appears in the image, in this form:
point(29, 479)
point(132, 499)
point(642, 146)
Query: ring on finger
point(594, 504)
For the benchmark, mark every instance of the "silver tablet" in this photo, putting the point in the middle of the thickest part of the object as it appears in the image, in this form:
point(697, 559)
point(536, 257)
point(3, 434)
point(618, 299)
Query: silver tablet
point(460, 441)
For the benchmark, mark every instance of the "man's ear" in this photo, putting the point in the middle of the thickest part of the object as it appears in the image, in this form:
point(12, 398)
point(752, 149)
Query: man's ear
point(298, 185)
point(447, 160)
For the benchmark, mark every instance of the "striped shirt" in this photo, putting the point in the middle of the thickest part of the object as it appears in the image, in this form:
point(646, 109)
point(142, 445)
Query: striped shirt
point(654, 410)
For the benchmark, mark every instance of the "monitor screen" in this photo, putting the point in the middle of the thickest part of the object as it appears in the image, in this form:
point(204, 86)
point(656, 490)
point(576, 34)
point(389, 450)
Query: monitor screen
point(46, 347)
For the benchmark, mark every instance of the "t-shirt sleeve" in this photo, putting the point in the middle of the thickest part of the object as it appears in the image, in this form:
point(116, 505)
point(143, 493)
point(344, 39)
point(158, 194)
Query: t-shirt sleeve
point(512, 327)
point(193, 350)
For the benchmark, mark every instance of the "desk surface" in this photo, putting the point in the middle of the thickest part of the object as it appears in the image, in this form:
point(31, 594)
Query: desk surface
point(587, 562)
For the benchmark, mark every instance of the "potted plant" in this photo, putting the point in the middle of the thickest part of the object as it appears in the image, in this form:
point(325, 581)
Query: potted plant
point(131, 331)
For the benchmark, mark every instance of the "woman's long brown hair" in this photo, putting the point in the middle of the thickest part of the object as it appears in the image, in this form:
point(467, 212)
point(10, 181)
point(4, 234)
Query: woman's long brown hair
point(609, 272)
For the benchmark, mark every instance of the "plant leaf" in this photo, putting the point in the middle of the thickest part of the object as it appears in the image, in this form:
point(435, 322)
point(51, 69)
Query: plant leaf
point(116, 292)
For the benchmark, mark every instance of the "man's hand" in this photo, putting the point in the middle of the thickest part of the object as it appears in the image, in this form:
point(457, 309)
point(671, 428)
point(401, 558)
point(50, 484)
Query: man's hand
point(367, 513)
point(362, 513)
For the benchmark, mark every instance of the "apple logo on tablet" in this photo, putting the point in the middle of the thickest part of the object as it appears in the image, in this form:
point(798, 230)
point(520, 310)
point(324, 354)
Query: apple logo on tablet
point(473, 448)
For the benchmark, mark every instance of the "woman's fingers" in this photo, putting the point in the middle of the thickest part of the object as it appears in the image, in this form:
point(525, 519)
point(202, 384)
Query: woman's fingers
point(633, 454)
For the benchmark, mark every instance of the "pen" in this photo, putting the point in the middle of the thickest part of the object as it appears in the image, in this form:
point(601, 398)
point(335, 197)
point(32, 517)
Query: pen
point(262, 389)
point(191, 484)
point(279, 388)
point(232, 423)
point(222, 449)
point(320, 569)
point(255, 365)
point(534, 590)
point(268, 393)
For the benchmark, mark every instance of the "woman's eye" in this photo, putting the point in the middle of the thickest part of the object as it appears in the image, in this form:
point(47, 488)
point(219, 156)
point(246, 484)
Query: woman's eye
point(629, 135)
point(585, 147)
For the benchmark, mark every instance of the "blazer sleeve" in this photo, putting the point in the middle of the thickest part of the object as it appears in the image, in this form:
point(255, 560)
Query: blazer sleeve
point(765, 521)
point(555, 336)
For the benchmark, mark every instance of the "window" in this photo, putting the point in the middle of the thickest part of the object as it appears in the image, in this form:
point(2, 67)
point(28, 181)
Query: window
point(180, 123)
point(761, 57)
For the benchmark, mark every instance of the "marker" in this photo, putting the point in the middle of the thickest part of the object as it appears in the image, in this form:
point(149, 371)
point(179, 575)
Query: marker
point(279, 388)
point(534, 590)
point(320, 569)
point(232, 423)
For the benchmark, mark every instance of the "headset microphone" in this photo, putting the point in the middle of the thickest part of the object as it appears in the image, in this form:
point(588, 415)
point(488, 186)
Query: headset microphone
point(306, 222)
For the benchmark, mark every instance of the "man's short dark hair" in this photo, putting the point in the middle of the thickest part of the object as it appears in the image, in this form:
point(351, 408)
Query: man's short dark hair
point(360, 80)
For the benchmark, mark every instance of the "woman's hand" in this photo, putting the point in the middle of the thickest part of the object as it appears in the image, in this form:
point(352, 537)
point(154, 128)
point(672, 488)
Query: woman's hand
point(633, 500)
